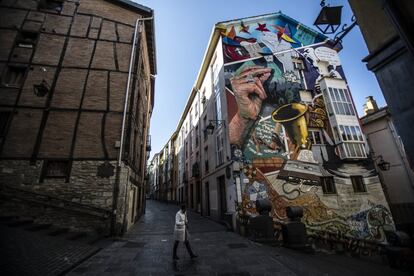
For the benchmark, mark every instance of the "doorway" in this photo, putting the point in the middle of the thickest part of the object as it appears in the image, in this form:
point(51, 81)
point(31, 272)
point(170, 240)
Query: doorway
point(207, 194)
point(191, 196)
point(198, 196)
point(221, 187)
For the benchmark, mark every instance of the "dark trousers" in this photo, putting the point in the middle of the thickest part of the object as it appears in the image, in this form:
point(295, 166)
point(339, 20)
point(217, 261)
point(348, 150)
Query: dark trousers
point(187, 245)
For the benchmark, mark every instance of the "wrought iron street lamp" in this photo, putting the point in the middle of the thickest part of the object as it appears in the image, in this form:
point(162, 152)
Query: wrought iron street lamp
point(329, 20)
point(213, 124)
point(382, 164)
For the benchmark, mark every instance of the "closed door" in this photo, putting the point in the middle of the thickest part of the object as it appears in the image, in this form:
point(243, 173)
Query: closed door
point(207, 189)
point(132, 206)
point(222, 195)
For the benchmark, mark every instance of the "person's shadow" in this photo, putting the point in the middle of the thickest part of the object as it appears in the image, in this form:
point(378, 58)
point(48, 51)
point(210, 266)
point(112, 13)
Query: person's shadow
point(184, 266)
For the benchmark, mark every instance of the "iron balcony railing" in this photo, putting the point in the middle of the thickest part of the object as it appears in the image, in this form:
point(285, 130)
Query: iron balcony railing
point(148, 142)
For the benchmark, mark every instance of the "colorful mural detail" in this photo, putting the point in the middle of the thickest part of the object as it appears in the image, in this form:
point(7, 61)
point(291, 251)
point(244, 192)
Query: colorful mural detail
point(273, 67)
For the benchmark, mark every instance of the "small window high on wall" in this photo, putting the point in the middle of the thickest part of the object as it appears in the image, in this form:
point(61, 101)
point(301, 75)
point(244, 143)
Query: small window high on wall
point(341, 101)
point(56, 169)
point(358, 184)
point(26, 39)
point(53, 5)
point(14, 75)
point(328, 185)
point(316, 137)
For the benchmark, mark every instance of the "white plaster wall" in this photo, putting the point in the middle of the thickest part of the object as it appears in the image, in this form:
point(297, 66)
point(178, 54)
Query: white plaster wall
point(397, 180)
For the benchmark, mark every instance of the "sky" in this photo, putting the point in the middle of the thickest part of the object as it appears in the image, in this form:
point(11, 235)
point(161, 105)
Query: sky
point(182, 31)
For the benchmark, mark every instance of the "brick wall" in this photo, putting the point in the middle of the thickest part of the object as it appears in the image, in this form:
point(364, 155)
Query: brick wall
point(82, 54)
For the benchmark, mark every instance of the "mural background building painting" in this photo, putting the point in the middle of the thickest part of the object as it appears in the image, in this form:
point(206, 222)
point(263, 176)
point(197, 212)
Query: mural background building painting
point(294, 128)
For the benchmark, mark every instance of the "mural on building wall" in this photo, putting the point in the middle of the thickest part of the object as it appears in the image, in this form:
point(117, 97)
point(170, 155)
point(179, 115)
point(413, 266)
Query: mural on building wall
point(276, 113)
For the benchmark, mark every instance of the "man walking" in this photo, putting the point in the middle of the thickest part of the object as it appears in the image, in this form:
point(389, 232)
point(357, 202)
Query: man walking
point(181, 232)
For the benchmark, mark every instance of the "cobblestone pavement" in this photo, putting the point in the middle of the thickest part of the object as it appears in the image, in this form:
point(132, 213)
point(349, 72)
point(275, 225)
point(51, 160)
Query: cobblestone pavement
point(147, 250)
point(23, 252)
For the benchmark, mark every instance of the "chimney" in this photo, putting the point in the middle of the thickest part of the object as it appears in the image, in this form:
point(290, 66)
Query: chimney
point(370, 105)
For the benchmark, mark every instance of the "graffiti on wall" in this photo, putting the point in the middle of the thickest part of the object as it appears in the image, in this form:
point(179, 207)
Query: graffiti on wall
point(278, 121)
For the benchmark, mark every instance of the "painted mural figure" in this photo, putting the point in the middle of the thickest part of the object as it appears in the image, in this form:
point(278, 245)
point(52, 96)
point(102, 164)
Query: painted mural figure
point(280, 126)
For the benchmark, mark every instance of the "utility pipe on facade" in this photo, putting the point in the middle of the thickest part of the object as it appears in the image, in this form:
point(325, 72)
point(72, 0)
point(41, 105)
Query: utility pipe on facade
point(121, 147)
point(200, 167)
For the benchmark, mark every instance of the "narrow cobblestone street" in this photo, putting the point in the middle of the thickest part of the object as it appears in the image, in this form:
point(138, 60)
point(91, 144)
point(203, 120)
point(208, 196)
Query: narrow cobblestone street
point(147, 250)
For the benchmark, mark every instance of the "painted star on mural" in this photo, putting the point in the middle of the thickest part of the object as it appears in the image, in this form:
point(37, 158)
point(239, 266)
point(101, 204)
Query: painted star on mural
point(244, 28)
point(232, 33)
point(284, 33)
point(262, 28)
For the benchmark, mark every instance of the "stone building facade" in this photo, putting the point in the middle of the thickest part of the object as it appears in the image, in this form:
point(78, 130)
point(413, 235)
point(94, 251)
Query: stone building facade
point(162, 170)
point(64, 69)
point(398, 177)
point(271, 116)
point(391, 55)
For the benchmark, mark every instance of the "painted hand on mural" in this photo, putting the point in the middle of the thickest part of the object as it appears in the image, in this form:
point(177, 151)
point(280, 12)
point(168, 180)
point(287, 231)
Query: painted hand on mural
point(249, 93)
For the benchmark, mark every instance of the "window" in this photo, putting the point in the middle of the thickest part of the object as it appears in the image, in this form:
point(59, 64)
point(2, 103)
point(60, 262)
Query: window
point(316, 138)
point(328, 102)
point(216, 89)
point(218, 106)
point(26, 39)
point(353, 146)
point(220, 149)
point(328, 185)
point(134, 147)
point(341, 101)
point(203, 98)
point(5, 117)
point(14, 75)
point(55, 169)
point(351, 133)
point(196, 136)
point(298, 65)
point(352, 150)
point(55, 5)
point(358, 184)
point(206, 167)
point(204, 127)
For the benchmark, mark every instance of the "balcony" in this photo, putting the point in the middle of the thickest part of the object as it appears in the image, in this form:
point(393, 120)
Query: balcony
point(148, 143)
point(195, 170)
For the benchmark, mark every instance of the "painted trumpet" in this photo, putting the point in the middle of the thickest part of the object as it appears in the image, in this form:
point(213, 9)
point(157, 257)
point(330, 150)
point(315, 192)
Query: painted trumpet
point(291, 116)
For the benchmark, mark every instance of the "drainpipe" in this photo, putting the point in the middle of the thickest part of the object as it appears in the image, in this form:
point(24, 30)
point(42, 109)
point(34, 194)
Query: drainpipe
point(114, 230)
point(200, 168)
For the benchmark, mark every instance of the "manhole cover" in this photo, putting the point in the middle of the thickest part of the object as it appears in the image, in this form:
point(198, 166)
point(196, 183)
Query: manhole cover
point(134, 244)
point(236, 245)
